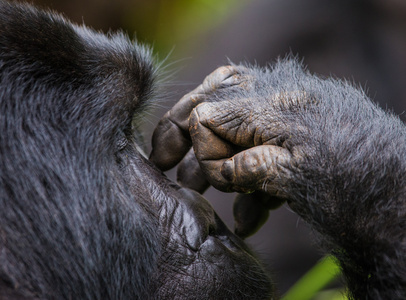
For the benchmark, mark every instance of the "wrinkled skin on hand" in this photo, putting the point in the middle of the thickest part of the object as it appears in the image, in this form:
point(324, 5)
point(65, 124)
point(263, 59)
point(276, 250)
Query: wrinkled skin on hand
point(235, 147)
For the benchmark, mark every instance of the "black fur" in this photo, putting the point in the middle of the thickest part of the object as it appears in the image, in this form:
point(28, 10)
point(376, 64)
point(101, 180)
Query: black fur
point(351, 185)
point(83, 214)
point(348, 182)
point(58, 224)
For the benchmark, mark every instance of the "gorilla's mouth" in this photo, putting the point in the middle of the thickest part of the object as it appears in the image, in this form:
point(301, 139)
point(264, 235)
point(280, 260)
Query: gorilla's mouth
point(198, 243)
point(201, 225)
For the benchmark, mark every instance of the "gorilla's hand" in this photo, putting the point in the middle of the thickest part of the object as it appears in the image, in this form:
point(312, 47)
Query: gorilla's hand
point(242, 145)
point(171, 139)
point(321, 144)
point(239, 140)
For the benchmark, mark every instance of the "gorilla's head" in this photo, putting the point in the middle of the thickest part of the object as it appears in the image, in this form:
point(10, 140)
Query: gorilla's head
point(84, 215)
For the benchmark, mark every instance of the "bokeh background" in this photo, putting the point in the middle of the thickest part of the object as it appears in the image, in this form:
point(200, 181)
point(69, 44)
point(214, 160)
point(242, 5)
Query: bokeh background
point(362, 41)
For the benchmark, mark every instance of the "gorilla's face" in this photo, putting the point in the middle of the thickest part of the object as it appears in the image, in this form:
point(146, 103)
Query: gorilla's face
point(83, 214)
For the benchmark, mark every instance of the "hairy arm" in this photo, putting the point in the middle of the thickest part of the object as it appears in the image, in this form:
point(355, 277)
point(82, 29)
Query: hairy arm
point(280, 133)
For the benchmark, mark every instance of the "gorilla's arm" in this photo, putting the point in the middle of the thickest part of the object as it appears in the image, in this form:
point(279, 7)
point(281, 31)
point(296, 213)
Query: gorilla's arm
point(321, 144)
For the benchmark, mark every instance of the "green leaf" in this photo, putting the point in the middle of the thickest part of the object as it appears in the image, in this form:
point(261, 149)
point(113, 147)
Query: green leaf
point(324, 272)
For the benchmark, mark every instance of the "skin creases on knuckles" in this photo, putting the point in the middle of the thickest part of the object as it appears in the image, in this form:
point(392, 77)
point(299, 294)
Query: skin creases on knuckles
point(227, 165)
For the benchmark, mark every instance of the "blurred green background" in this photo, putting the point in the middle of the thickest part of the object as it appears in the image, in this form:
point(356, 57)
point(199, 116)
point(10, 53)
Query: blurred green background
point(171, 26)
point(362, 40)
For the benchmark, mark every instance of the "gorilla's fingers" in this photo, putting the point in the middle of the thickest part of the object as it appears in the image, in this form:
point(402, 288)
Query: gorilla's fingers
point(211, 151)
point(246, 171)
point(171, 140)
point(169, 145)
point(249, 213)
point(224, 77)
point(190, 175)
point(229, 120)
point(258, 168)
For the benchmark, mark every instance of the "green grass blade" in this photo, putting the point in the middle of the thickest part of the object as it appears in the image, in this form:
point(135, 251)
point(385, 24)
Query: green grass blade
point(325, 271)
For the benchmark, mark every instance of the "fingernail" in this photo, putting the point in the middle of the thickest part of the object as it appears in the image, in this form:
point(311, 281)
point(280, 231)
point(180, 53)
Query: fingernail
point(227, 169)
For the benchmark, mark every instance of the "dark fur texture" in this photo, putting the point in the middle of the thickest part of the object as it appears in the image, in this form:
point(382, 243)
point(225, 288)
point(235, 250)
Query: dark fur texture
point(58, 223)
point(83, 214)
point(351, 184)
point(348, 182)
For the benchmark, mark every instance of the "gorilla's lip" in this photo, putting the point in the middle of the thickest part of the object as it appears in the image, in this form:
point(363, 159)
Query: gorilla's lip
point(205, 223)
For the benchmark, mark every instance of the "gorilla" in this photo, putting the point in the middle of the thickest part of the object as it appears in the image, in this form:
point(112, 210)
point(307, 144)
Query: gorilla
point(85, 215)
